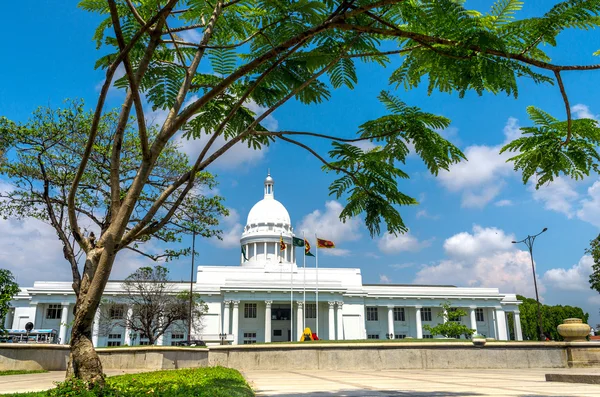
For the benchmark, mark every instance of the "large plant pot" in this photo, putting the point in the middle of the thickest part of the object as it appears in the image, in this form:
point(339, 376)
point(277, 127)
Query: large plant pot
point(479, 342)
point(573, 330)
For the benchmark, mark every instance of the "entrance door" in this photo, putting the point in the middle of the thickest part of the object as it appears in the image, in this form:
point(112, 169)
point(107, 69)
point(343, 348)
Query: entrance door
point(280, 323)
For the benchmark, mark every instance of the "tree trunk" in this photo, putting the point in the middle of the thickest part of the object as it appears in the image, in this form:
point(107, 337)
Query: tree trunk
point(84, 362)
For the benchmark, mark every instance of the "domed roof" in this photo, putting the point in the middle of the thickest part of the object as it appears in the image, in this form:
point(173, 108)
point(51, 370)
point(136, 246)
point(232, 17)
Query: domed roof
point(268, 210)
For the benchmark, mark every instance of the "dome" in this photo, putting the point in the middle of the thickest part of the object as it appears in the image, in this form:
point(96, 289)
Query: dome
point(268, 210)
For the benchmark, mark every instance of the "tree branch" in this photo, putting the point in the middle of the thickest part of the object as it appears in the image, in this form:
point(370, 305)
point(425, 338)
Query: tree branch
point(563, 92)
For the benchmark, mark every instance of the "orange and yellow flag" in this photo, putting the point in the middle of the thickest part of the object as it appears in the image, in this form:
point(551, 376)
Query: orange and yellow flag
point(324, 243)
point(282, 245)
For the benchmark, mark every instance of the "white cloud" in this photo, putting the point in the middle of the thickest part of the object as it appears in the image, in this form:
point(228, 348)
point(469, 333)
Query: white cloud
point(384, 279)
point(328, 224)
point(483, 258)
point(558, 195)
point(232, 231)
point(481, 241)
point(590, 206)
point(335, 252)
point(269, 122)
point(576, 278)
point(481, 178)
point(390, 244)
point(191, 36)
point(503, 203)
point(399, 266)
point(426, 215)
point(582, 111)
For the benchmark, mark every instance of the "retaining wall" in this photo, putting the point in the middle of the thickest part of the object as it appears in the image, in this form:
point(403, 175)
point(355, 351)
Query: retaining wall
point(388, 356)
point(335, 356)
point(56, 357)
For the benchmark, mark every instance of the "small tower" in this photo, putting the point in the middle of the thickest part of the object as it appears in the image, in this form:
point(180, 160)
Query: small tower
point(268, 223)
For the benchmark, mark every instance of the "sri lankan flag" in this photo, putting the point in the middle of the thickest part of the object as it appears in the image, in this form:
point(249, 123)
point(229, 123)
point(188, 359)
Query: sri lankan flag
point(324, 243)
point(282, 245)
point(307, 248)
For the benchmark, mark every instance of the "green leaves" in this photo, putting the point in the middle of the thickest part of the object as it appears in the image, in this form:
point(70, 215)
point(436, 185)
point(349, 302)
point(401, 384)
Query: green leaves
point(8, 289)
point(369, 178)
point(545, 151)
point(594, 251)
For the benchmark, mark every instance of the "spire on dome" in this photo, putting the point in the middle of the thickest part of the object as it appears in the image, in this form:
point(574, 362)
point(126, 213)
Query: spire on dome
point(269, 183)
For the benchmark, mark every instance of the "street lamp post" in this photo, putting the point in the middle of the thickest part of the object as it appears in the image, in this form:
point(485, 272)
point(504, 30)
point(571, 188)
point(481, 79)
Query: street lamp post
point(528, 241)
point(189, 338)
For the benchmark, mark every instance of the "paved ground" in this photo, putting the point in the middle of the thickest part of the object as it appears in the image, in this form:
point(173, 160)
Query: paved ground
point(39, 382)
point(420, 383)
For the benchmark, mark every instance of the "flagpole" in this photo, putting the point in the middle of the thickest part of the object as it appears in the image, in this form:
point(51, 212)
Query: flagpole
point(317, 282)
point(304, 285)
point(292, 299)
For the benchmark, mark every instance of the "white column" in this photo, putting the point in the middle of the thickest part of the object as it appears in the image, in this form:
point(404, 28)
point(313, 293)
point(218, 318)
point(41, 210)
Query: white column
point(419, 325)
point(518, 330)
point(473, 319)
point(226, 329)
point(265, 251)
point(391, 322)
point(501, 324)
point(96, 328)
point(445, 316)
point(62, 332)
point(235, 322)
point(161, 339)
point(331, 320)
point(129, 316)
point(255, 253)
point(299, 314)
point(340, 321)
point(268, 321)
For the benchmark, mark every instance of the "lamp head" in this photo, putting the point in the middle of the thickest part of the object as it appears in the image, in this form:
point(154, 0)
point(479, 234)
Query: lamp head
point(514, 242)
point(544, 229)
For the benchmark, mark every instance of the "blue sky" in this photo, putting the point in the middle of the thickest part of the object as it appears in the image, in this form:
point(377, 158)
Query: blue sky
point(460, 232)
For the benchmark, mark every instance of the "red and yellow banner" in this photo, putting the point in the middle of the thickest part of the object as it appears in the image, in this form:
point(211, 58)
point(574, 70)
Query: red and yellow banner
point(325, 243)
point(282, 245)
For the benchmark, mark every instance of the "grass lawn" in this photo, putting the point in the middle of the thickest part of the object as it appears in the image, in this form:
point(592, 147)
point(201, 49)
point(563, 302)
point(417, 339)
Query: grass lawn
point(22, 372)
point(204, 382)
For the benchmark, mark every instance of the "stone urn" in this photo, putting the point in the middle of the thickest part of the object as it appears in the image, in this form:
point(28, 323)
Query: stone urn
point(573, 330)
point(479, 341)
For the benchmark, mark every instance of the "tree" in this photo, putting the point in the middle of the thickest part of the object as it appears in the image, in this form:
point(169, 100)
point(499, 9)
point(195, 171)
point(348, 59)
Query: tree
point(271, 51)
point(8, 289)
point(155, 306)
point(552, 316)
point(450, 326)
point(594, 251)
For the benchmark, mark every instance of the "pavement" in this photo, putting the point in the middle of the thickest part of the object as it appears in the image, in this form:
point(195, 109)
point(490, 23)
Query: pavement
point(40, 382)
point(420, 383)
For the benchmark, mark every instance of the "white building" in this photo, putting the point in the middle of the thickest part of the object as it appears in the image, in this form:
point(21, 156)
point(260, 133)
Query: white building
point(263, 299)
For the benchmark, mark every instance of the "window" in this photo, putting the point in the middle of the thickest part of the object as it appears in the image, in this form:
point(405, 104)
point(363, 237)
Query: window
point(454, 317)
point(144, 343)
point(426, 314)
point(372, 314)
point(399, 314)
point(116, 313)
point(427, 336)
point(277, 332)
point(176, 336)
point(249, 310)
point(114, 340)
point(249, 338)
point(399, 336)
point(311, 310)
point(373, 336)
point(479, 315)
point(53, 312)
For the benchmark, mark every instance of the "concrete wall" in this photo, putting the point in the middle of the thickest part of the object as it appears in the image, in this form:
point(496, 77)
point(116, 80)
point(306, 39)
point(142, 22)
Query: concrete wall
point(387, 356)
point(339, 356)
point(56, 357)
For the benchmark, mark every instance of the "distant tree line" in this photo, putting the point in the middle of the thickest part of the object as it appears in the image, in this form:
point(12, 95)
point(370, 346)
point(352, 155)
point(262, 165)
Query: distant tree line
point(552, 317)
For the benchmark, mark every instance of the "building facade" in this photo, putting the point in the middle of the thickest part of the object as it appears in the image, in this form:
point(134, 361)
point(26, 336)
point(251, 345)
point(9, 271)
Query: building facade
point(273, 297)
